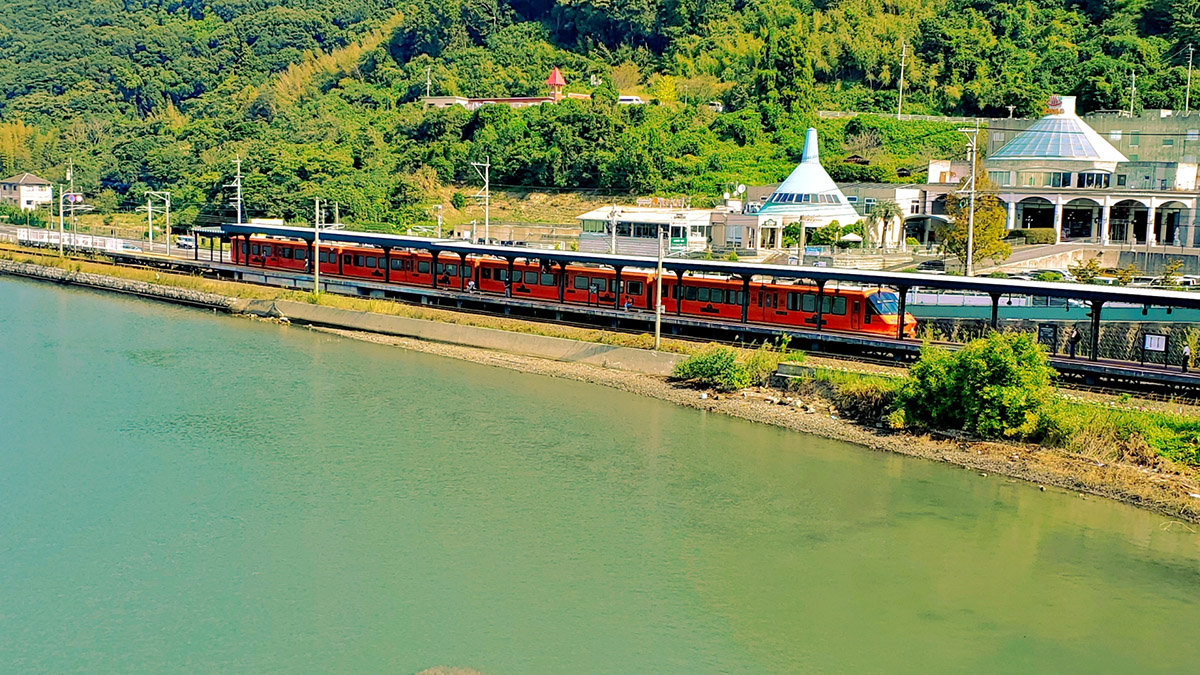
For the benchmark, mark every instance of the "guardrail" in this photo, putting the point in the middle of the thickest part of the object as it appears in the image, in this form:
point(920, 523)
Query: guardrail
point(50, 238)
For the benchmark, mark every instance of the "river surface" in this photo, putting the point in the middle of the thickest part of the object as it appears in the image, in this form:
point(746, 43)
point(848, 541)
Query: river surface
point(187, 492)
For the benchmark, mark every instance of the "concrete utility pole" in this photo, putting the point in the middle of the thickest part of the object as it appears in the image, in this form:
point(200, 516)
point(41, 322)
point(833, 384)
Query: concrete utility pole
point(150, 220)
point(60, 220)
point(1132, 90)
point(438, 209)
point(484, 169)
point(316, 245)
point(428, 80)
point(71, 183)
point(658, 300)
point(903, 58)
point(612, 226)
point(1187, 97)
point(972, 141)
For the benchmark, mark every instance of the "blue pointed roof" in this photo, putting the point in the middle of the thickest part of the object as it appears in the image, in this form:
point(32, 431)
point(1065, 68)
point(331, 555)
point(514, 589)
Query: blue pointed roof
point(1060, 136)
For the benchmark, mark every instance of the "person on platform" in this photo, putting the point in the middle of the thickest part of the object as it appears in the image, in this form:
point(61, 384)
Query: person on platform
point(628, 304)
point(470, 285)
point(1187, 356)
point(1073, 341)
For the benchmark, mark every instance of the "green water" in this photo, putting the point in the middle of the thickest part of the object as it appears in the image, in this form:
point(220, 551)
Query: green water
point(186, 492)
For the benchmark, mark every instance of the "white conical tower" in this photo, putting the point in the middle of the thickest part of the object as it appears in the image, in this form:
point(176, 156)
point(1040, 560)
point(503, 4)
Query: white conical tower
point(809, 191)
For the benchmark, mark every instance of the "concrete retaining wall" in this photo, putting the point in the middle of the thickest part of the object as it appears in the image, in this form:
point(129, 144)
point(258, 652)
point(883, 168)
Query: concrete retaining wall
point(558, 349)
point(127, 286)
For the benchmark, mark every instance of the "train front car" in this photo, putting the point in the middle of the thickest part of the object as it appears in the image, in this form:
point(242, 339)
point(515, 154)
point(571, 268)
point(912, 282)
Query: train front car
point(882, 314)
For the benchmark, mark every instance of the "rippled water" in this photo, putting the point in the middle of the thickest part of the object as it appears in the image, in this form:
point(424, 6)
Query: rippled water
point(186, 492)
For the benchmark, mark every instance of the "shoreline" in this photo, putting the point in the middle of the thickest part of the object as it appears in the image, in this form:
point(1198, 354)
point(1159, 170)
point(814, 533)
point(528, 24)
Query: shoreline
point(1167, 494)
point(1175, 495)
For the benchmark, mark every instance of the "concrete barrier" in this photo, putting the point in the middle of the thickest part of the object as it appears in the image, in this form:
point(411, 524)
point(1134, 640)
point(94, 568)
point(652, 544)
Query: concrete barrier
point(541, 346)
point(107, 283)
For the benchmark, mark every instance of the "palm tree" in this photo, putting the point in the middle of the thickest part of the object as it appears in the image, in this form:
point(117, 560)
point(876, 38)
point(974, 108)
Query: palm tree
point(887, 211)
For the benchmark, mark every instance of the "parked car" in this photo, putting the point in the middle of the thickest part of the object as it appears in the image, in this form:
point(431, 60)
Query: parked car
point(630, 100)
point(126, 246)
point(185, 241)
point(932, 266)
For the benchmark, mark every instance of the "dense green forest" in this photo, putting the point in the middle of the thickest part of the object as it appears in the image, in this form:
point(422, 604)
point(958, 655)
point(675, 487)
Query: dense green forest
point(320, 97)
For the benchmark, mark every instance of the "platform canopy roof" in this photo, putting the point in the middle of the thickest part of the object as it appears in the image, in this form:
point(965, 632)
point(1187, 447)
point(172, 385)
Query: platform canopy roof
point(1060, 136)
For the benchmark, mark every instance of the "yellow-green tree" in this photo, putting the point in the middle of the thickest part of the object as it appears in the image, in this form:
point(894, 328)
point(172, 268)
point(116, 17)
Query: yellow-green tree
point(990, 227)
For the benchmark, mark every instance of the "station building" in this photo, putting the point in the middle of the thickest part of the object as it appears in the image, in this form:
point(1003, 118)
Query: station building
point(1059, 173)
point(637, 228)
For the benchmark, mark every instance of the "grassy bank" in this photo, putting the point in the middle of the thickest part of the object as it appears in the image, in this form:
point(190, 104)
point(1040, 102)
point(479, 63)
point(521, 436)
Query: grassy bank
point(253, 292)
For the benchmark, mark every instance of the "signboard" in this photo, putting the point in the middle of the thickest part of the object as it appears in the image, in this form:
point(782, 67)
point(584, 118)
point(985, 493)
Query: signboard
point(1048, 335)
point(812, 250)
point(678, 243)
point(1155, 343)
point(1055, 105)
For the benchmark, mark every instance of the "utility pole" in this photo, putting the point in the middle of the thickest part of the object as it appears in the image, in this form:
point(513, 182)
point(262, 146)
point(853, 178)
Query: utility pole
point(658, 303)
point(1187, 97)
point(1132, 90)
point(71, 182)
point(428, 80)
point(316, 245)
point(612, 226)
point(903, 58)
point(484, 170)
point(438, 209)
point(60, 220)
point(237, 183)
point(166, 197)
point(972, 139)
point(150, 219)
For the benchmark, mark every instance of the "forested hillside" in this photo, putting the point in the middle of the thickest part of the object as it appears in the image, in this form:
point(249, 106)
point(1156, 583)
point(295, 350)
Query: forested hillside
point(319, 96)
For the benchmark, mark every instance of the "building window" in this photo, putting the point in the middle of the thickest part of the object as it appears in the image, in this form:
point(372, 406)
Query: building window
point(1134, 137)
point(915, 207)
point(1093, 180)
point(998, 136)
point(1114, 135)
point(852, 200)
point(1168, 142)
point(1193, 134)
point(999, 177)
point(1121, 180)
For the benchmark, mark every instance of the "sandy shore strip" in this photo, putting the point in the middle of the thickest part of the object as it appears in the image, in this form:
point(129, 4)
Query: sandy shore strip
point(1174, 495)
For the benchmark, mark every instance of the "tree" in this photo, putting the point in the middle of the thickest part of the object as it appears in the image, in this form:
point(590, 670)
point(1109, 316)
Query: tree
point(1086, 271)
point(1170, 275)
point(887, 212)
point(827, 235)
point(990, 227)
point(1126, 274)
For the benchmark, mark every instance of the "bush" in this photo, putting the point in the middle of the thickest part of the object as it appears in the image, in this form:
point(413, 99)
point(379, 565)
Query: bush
point(458, 200)
point(716, 367)
point(1036, 235)
point(912, 241)
point(998, 386)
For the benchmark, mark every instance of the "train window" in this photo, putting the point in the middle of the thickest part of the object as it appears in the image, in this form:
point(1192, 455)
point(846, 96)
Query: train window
point(793, 302)
point(255, 250)
point(633, 288)
point(601, 284)
point(839, 305)
point(408, 265)
point(689, 293)
point(531, 278)
point(397, 264)
point(486, 273)
point(500, 275)
point(736, 298)
point(675, 292)
point(451, 270)
point(267, 251)
point(371, 262)
point(705, 294)
point(581, 282)
point(423, 267)
point(360, 261)
point(301, 254)
point(808, 303)
point(285, 252)
point(548, 280)
point(441, 269)
point(466, 272)
point(884, 303)
point(718, 295)
point(347, 259)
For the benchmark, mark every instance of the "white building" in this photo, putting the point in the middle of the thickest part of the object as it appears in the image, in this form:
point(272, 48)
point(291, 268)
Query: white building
point(808, 196)
point(26, 191)
point(637, 229)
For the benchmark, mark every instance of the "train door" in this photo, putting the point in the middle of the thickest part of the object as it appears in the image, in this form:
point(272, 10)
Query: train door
point(856, 314)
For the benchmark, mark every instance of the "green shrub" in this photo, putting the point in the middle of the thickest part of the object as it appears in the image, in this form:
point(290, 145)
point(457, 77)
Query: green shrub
point(912, 241)
point(998, 386)
point(714, 366)
point(1036, 235)
point(458, 200)
point(867, 398)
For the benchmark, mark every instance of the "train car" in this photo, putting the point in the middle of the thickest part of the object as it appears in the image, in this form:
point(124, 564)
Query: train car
point(852, 309)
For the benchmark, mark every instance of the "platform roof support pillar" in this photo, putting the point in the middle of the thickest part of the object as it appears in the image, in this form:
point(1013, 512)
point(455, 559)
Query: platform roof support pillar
point(433, 267)
point(902, 312)
point(995, 310)
point(508, 278)
point(820, 303)
point(679, 293)
point(745, 298)
point(1096, 307)
point(462, 268)
point(387, 264)
point(562, 281)
point(617, 289)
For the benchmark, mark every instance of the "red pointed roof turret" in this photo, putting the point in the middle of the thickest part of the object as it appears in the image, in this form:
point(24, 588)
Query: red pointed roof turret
point(555, 79)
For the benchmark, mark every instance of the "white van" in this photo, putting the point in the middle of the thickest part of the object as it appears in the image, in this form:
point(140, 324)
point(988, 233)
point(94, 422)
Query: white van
point(185, 241)
point(630, 100)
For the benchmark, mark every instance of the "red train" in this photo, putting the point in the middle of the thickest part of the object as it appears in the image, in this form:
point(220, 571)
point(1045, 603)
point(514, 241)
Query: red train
point(858, 310)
